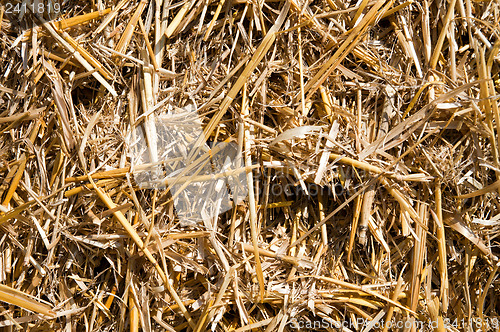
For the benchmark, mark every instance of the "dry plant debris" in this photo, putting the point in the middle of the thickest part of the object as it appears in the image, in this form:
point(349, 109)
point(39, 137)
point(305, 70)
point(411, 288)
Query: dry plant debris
point(370, 140)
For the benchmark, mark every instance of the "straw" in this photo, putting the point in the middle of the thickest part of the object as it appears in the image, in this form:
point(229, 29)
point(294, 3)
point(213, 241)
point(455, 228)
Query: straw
point(269, 165)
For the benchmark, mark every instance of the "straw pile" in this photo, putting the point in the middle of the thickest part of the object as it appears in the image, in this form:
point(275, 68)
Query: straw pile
point(369, 136)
